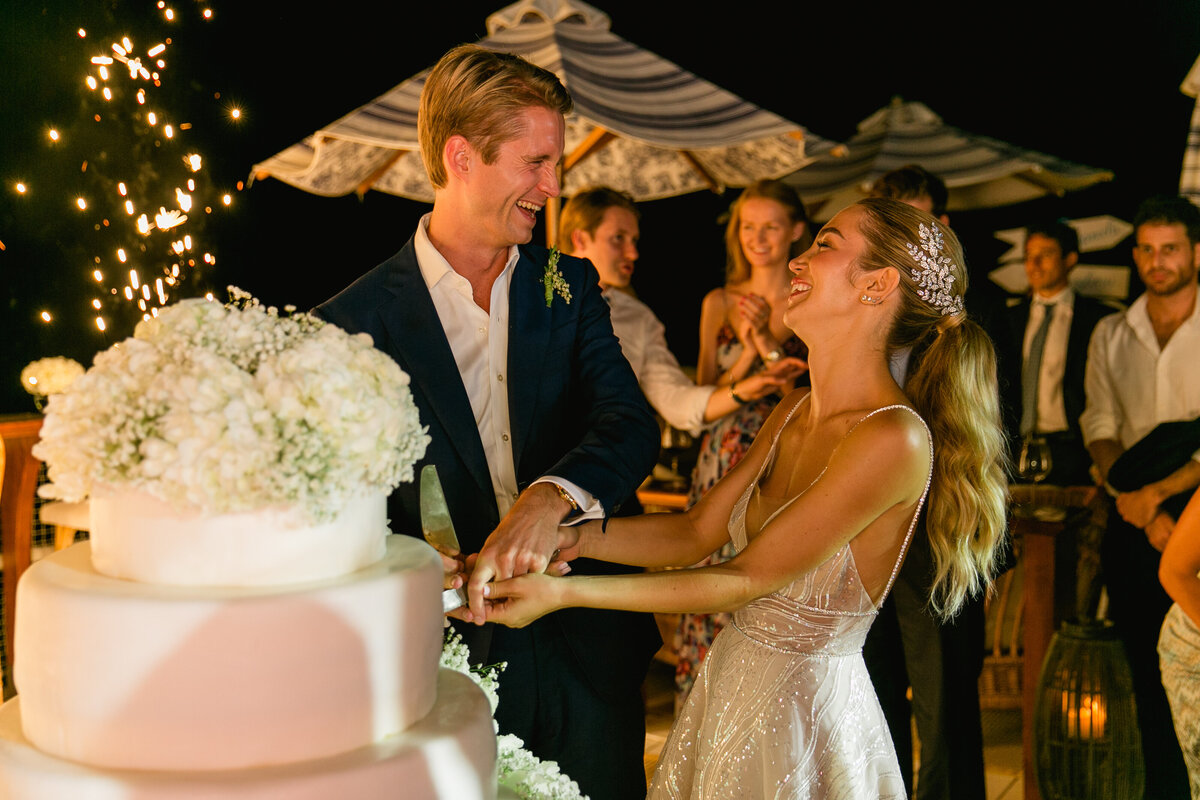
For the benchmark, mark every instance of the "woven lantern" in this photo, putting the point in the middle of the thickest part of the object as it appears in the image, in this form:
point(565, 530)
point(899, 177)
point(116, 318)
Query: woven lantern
point(1086, 739)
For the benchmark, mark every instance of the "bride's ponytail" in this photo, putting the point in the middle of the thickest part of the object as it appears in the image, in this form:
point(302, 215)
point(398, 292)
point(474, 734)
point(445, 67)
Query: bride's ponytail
point(953, 386)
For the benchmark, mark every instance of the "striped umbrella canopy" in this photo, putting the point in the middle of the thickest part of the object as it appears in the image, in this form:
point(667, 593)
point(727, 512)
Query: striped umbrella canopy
point(1189, 177)
point(641, 123)
point(979, 172)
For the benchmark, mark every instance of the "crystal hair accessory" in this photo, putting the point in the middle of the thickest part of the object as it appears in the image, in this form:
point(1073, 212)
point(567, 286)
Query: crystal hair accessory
point(935, 278)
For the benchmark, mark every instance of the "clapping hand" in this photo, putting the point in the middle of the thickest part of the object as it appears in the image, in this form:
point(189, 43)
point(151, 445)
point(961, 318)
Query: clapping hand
point(755, 311)
point(778, 376)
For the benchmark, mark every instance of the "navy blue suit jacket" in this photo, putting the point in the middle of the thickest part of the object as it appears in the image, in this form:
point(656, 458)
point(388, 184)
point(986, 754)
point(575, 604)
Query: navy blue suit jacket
point(575, 411)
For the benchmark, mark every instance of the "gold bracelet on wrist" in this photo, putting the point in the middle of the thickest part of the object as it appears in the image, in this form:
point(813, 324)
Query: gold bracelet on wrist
point(565, 495)
point(733, 393)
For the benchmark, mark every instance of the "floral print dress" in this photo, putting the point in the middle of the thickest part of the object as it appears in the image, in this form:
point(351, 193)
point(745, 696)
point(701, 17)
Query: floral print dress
point(722, 446)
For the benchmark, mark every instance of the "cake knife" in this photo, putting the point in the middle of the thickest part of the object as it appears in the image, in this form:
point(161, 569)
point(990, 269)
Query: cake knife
point(439, 529)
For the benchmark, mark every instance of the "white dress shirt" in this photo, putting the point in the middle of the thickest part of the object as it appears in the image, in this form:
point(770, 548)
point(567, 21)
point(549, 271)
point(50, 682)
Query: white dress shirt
point(479, 341)
point(644, 344)
point(1051, 413)
point(1132, 384)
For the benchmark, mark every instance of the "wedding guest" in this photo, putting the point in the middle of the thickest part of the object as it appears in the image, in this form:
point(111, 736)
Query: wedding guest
point(820, 511)
point(1179, 640)
point(602, 226)
point(742, 333)
point(1042, 375)
point(1141, 371)
point(916, 186)
point(1042, 378)
point(910, 648)
point(520, 443)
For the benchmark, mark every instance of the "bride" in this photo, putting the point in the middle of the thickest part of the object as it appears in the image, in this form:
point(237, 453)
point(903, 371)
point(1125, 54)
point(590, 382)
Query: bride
point(820, 511)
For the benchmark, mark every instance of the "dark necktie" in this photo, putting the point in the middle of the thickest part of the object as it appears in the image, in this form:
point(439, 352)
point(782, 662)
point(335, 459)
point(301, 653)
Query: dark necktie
point(1031, 370)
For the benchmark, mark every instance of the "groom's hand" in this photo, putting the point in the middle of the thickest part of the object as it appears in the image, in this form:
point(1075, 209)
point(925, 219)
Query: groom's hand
point(524, 541)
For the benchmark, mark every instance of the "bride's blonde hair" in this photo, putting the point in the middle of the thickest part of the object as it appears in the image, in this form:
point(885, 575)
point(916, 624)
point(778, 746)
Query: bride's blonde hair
point(952, 383)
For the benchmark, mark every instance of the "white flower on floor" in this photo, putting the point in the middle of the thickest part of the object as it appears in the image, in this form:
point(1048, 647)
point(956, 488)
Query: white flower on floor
point(517, 769)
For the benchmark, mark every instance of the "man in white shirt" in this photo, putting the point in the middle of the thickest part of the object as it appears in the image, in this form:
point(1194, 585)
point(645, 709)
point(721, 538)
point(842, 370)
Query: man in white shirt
point(1141, 371)
point(601, 225)
point(534, 415)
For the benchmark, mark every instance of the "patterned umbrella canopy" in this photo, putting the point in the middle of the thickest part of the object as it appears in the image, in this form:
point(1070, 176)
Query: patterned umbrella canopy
point(641, 123)
point(979, 172)
point(1189, 177)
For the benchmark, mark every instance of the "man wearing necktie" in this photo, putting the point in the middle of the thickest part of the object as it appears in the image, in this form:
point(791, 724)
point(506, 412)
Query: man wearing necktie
point(1041, 345)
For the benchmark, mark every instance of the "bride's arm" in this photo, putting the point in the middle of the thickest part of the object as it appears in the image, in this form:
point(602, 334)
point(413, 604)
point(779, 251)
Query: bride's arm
point(881, 466)
point(678, 539)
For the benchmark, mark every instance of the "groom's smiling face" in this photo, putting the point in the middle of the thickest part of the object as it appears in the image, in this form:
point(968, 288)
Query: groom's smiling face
point(507, 195)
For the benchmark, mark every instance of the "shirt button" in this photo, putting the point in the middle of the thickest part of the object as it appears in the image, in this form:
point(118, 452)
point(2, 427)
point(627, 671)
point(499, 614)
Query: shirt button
point(504, 436)
point(515, 495)
point(500, 377)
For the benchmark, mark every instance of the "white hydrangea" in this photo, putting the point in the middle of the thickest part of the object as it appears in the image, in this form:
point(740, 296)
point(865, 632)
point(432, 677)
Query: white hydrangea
point(226, 408)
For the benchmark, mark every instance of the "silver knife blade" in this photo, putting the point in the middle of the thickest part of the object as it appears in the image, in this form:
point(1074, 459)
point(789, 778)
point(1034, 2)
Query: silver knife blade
point(438, 529)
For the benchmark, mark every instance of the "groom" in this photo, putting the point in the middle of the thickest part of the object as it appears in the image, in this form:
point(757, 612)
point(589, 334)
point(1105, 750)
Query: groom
point(534, 414)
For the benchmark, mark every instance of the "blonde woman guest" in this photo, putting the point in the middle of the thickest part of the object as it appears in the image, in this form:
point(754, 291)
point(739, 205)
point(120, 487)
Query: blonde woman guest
point(742, 333)
point(820, 511)
point(1179, 641)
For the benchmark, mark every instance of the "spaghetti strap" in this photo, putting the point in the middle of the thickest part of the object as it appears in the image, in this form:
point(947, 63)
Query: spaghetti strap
point(912, 525)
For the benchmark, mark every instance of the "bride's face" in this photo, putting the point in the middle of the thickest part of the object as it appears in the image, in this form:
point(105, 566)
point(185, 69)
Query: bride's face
point(822, 275)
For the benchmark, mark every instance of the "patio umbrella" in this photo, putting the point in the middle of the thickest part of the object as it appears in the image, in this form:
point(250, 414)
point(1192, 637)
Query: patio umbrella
point(641, 123)
point(1189, 178)
point(980, 172)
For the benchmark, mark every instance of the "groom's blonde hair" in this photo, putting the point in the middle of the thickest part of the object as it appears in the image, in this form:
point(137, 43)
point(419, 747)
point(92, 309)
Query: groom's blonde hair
point(478, 94)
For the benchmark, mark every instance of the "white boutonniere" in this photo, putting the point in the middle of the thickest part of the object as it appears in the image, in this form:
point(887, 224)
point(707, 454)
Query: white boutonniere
point(553, 279)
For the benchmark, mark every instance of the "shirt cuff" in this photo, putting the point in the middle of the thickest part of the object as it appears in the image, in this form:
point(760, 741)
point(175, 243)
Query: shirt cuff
point(589, 506)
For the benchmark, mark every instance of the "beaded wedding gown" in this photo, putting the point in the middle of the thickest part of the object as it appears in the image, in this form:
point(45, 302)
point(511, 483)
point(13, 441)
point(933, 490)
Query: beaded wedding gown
point(783, 706)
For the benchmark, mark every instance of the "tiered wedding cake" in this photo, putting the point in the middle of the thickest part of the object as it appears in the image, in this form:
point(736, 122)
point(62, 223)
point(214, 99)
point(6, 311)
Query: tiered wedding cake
point(271, 640)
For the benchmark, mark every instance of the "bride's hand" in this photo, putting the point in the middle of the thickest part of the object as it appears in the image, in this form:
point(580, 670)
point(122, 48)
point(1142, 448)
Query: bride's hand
point(519, 601)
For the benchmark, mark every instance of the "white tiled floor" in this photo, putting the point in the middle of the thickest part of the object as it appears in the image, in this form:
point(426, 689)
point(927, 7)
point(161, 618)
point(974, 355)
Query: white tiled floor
point(1001, 736)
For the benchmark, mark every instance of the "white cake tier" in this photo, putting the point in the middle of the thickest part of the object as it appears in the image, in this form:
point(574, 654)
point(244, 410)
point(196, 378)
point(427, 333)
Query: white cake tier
point(136, 536)
point(449, 754)
point(136, 676)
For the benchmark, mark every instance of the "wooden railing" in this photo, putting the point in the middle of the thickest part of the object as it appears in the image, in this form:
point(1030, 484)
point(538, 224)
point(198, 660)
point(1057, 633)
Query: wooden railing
point(19, 432)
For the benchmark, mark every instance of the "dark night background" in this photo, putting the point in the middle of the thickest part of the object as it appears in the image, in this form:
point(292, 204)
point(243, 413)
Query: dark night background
point(1098, 87)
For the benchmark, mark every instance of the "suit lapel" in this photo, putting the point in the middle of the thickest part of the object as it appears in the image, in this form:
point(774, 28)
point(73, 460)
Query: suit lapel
point(416, 335)
point(528, 335)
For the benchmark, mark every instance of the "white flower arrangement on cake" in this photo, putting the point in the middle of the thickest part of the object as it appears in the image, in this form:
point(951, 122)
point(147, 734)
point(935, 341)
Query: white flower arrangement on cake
point(517, 769)
point(235, 407)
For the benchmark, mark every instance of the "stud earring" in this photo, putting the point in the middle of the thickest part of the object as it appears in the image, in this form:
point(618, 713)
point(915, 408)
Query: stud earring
point(869, 300)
